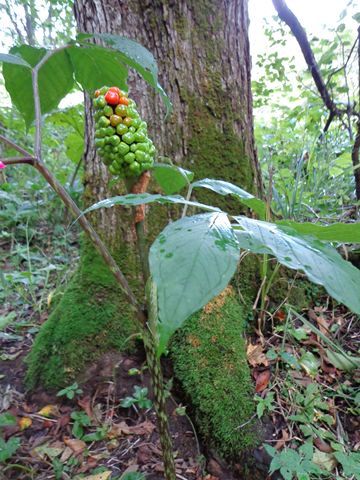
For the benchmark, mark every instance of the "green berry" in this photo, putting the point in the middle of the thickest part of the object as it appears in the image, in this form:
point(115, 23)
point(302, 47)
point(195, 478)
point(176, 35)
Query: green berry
point(129, 157)
point(128, 138)
point(140, 156)
point(114, 140)
point(127, 121)
point(113, 169)
point(121, 110)
point(115, 120)
point(134, 167)
point(100, 101)
point(121, 129)
point(123, 148)
point(146, 166)
point(136, 122)
point(108, 111)
point(110, 131)
point(140, 136)
point(99, 142)
point(144, 147)
point(103, 121)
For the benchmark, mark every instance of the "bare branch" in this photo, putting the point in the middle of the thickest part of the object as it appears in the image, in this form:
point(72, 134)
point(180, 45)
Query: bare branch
point(84, 223)
point(17, 160)
point(15, 146)
point(299, 33)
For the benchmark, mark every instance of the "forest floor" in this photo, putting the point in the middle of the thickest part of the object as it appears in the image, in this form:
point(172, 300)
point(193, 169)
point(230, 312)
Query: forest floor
point(307, 391)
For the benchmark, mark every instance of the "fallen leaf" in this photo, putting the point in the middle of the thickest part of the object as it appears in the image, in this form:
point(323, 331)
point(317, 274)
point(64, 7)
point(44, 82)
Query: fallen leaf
point(324, 325)
point(310, 363)
point(280, 315)
point(322, 445)
point(99, 476)
point(262, 381)
point(299, 378)
point(284, 438)
point(256, 355)
point(66, 455)
point(24, 422)
point(326, 461)
point(76, 445)
point(85, 404)
point(123, 428)
point(48, 450)
point(49, 411)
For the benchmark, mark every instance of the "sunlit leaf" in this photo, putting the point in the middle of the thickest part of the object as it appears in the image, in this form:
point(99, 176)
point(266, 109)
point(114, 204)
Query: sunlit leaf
point(191, 261)
point(95, 66)
point(321, 263)
point(226, 188)
point(143, 198)
point(55, 80)
point(172, 178)
point(337, 232)
point(134, 56)
point(8, 58)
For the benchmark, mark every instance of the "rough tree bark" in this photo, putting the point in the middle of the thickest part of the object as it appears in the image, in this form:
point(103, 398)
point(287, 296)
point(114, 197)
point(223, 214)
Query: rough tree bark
point(202, 51)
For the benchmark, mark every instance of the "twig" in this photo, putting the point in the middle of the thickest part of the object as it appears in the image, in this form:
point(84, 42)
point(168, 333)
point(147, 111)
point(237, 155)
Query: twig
point(15, 146)
point(17, 160)
point(245, 423)
point(84, 223)
point(299, 33)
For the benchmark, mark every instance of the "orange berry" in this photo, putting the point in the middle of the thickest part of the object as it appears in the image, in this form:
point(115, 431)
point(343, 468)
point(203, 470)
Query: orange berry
point(124, 101)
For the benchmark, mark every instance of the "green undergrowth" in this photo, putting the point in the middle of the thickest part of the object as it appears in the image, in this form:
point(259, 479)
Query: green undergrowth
point(209, 358)
point(91, 318)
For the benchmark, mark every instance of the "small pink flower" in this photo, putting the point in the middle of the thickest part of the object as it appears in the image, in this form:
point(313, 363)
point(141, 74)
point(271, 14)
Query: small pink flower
point(2, 165)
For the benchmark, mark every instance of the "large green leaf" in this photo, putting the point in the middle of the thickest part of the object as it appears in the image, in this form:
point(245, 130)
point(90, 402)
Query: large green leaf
point(171, 178)
point(338, 232)
point(142, 198)
point(135, 56)
point(8, 58)
point(55, 80)
point(226, 188)
point(95, 66)
point(191, 261)
point(74, 144)
point(321, 263)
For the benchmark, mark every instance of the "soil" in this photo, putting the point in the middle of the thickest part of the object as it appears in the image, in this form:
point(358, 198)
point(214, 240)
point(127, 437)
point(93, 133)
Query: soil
point(133, 442)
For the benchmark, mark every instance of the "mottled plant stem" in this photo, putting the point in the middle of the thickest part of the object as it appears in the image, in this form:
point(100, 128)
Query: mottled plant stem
point(150, 340)
point(154, 365)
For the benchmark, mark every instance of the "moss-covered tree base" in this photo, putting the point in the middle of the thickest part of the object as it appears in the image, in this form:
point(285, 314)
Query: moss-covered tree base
point(209, 358)
point(92, 318)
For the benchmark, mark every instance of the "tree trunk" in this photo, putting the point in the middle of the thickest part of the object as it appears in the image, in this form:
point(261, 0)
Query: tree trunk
point(202, 51)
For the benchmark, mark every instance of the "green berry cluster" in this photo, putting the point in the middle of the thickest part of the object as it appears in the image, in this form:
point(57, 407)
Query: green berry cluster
point(121, 136)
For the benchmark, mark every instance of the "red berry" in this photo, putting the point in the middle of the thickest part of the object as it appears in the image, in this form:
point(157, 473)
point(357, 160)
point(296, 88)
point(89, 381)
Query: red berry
point(116, 90)
point(112, 98)
point(97, 93)
point(124, 101)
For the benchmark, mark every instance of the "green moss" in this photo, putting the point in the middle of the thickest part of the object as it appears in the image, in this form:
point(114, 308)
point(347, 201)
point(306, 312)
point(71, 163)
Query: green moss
point(91, 318)
point(217, 152)
point(210, 361)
